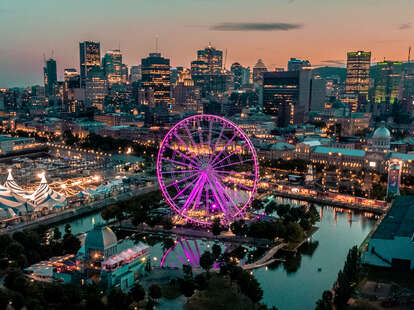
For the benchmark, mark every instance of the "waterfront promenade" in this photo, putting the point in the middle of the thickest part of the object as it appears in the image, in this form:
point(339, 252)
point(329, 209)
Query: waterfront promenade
point(331, 202)
point(74, 212)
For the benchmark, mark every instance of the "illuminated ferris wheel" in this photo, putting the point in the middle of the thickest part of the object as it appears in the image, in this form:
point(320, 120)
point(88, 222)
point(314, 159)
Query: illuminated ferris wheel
point(207, 168)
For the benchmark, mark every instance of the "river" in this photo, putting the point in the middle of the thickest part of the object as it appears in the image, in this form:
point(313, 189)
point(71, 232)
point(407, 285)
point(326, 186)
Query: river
point(299, 283)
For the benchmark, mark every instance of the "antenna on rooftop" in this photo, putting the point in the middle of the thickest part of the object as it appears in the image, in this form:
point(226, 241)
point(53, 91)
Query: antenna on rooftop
point(409, 53)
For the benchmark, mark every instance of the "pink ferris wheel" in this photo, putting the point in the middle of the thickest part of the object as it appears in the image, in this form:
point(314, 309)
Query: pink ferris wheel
point(207, 168)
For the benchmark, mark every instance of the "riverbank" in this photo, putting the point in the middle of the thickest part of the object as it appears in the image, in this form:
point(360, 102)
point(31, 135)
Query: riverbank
point(77, 212)
point(331, 202)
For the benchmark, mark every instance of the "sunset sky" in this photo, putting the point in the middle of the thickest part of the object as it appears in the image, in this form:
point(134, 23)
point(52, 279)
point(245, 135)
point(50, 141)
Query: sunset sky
point(274, 30)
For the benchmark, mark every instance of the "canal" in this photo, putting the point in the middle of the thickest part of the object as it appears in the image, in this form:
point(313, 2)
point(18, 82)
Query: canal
point(298, 283)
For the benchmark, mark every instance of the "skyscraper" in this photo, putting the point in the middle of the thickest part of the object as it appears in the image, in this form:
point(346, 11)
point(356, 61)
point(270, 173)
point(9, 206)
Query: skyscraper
point(295, 64)
point(95, 88)
point(286, 95)
point(135, 73)
point(207, 72)
point(237, 71)
point(387, 85)
point(50, 76)
point(156, 79)
point(258, 70)
point(112, 64)
point(90, 56)
point(212, 57)
point(357, 79)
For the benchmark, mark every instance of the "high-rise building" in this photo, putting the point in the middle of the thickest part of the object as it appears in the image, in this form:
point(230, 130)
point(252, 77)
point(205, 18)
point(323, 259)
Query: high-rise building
point(50, 76)
point(212, 57)
point(155, 71)
point(186, 95)
point(318, 94)
point(124, 73)
point(74, 95)
point(387, 85)
point(286, 95)
point(112, 63)
point(135, 74)
point(237, 71)
point(295, 64)
point(90, 56)
point(207, 72)
point(357, 79)
point(96, 88)
point(258, 70)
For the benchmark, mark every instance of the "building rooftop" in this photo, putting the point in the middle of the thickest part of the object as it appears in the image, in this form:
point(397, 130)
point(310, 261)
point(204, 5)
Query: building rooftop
point(403, 156)
point(399, 221)
point(343, 151)
point(100, 237)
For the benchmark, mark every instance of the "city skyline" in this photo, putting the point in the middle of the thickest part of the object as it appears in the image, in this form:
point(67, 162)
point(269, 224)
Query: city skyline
point(273, 32)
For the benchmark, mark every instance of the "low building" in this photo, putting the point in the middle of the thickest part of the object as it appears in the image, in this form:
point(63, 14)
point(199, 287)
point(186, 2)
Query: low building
point(102, 259)
point(14, 144)
point(392, 243)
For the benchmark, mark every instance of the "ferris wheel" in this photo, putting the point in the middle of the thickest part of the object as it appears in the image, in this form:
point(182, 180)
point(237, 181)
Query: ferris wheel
point(207, 168)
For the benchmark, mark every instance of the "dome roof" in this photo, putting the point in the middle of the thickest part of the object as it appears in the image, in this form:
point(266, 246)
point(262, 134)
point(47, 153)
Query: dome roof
point(100, 237)
point(260, 64)
point(381, 132)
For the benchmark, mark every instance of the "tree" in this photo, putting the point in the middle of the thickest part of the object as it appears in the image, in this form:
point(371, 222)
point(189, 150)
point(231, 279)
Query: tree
point(187, 287)
point(117, 299)
point(216, 227)
point(68, 229)
point(57, 234)
point(137, 292)
point(167, 244)
point(201, 282)
point(257, 204)
point(70, 244)
point(155, 292)
point(294, 232)
point(216, 249)
point(188, 271)
point(238, 227)
point(206, 261)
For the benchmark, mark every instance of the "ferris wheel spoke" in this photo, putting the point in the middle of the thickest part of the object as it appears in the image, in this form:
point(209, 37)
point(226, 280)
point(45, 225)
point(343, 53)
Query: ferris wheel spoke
point(217, 197)
point(199, 194)
point(185, 146)
point(220, 190)
point(210, 125)
point(181, 180)
point(223, 190)
point(178, 171)
point(187, 254)
point(217, 142)
point(182, 154)
point(235, 163)
point(228, 156)
point(200, 134)
point(180, 163)
point(191, 252)
point(190, 197)
point(184, 189)
point(224, 148)
point(190, 136)
point(235, 173)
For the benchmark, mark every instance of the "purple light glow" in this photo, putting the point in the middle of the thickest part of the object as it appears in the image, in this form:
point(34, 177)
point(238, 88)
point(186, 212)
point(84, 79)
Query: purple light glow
point(213, 167)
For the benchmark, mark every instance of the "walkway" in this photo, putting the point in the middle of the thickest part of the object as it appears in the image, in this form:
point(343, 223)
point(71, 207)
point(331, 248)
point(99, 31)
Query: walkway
point(266, 259)
point(331, 202)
